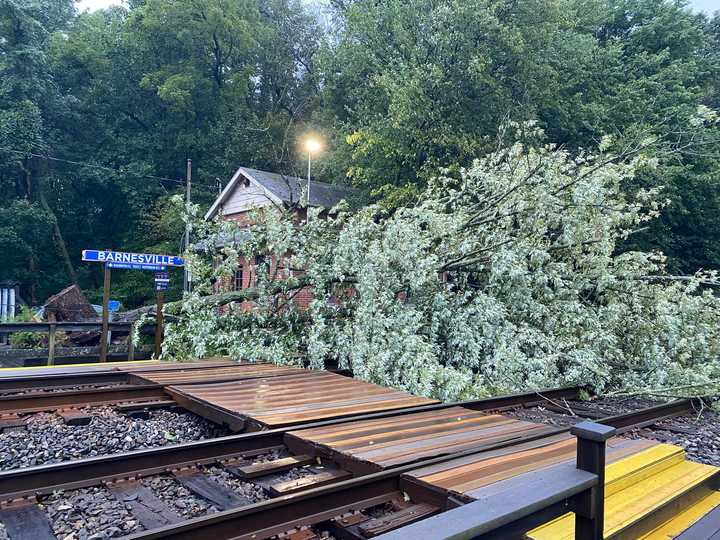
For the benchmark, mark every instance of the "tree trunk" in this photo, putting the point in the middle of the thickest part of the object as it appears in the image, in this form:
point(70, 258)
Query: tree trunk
point(57, 234)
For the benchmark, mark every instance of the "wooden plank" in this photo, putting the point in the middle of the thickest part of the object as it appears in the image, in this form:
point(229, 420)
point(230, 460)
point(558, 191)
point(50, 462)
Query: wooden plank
point(304, 533)
point(149, 510)
point(310, 481)
point(220, 496)
point(398, 519)
point(11, 422)
point(346, 526)
point(51, 345)
point(26, 521)
point(131, 407)
point(270, 467)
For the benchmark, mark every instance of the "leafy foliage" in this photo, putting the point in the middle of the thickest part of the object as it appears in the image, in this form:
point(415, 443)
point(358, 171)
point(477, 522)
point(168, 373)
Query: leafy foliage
point(123, 97)
point(506, 276)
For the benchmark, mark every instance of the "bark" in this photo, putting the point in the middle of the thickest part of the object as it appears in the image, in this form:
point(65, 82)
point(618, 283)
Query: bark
point(224, 298)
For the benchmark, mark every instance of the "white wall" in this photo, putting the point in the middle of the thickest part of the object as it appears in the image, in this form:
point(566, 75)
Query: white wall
point(244, 198)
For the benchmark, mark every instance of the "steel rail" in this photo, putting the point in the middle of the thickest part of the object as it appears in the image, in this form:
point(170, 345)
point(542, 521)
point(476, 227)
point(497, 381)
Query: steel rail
point(49, 381)
point(267, 518)
point(45, 479)
point(48, 401)
point(77, 375)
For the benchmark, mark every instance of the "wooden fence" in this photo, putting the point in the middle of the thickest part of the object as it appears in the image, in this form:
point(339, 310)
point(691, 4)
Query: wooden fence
point(52, 328)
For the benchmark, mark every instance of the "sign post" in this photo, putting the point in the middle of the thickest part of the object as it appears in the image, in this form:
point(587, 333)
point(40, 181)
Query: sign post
point(105, 315)
point(162, 282)
point(159, 323)
point(133, 261)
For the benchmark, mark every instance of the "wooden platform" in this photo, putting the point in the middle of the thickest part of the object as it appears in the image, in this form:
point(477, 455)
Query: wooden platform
point(215, 373)
point(287, 400)
point(377, 444)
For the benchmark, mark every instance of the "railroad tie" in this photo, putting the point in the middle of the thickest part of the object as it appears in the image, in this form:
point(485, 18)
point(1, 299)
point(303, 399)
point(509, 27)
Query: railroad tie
point(11, 422)
point(219, 495)
point(149, 510)
point(310, 481)
point(270, 467)
point(24, 520)
point(74, 417)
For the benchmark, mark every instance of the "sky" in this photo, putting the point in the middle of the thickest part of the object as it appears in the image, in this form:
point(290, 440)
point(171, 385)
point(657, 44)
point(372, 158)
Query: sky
point(708, 6)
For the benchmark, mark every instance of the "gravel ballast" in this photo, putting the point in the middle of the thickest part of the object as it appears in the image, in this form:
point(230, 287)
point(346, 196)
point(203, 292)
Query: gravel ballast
point(180, 499)
point(47, 439)
point(89, 514)
point(698, 434)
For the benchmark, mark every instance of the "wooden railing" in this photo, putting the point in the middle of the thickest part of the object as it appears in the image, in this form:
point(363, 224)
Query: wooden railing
point(52, 328)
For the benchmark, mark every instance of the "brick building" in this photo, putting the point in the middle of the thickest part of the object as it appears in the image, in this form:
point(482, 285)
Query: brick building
point(249, 190)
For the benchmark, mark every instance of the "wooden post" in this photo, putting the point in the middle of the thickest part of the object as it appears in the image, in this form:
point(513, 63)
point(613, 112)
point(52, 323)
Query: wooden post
point(131, 347)
point(159, 321)
point(51, 345)
point(105, 316)
point(590, 507)
point(187, 279)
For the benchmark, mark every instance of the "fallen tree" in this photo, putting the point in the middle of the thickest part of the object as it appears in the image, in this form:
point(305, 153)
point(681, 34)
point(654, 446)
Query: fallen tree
point(507, 276)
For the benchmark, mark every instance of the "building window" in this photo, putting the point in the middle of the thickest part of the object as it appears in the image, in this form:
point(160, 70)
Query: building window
point(238, 279)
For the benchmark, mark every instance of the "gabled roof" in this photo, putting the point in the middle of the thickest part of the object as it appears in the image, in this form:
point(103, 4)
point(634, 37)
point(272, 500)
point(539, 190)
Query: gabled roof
point(283, 189)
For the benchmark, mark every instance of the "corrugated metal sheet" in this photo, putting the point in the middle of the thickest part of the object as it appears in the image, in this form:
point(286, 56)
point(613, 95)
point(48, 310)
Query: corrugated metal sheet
point(388, 442)
point(294, 399)
point(221, 372)
point(468, 476)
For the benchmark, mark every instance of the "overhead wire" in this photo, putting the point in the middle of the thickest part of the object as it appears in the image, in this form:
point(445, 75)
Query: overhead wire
point(92, 165)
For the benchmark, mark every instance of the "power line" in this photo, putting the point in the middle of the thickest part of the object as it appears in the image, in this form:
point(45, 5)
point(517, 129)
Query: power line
point(92, 166)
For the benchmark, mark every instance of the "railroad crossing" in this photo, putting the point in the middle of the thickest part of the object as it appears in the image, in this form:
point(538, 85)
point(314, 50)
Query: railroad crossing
point(325, 454)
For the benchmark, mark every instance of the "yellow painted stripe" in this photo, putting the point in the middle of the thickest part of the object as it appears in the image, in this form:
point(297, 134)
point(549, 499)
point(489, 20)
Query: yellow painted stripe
point(684, 519)
point(628, 505)
point(633, 469)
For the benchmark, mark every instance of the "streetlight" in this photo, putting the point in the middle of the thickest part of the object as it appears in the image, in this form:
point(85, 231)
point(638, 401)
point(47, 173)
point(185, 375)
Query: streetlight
point(311, 145)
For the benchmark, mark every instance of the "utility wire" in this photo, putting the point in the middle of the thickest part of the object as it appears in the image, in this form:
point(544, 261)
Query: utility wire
point(92, 166)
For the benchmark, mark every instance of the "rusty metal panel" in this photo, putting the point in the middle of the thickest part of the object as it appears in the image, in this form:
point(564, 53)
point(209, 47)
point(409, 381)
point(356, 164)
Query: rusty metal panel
point(388, 442)
point(219, 373)
point(146, 367)
point(293, 399)
point(468, 476)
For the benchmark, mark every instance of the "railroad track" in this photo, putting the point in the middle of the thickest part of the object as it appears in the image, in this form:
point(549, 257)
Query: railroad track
point(349, 495)
point(339, 508)
point(130, 388)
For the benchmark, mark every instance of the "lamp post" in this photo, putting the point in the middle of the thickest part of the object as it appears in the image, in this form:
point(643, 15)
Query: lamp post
point(311, 145)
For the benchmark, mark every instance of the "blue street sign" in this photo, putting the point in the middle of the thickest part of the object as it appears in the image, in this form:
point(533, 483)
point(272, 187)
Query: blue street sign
point(162, 286)
point(113, 305)
point(120, 257)
point(132, 266)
